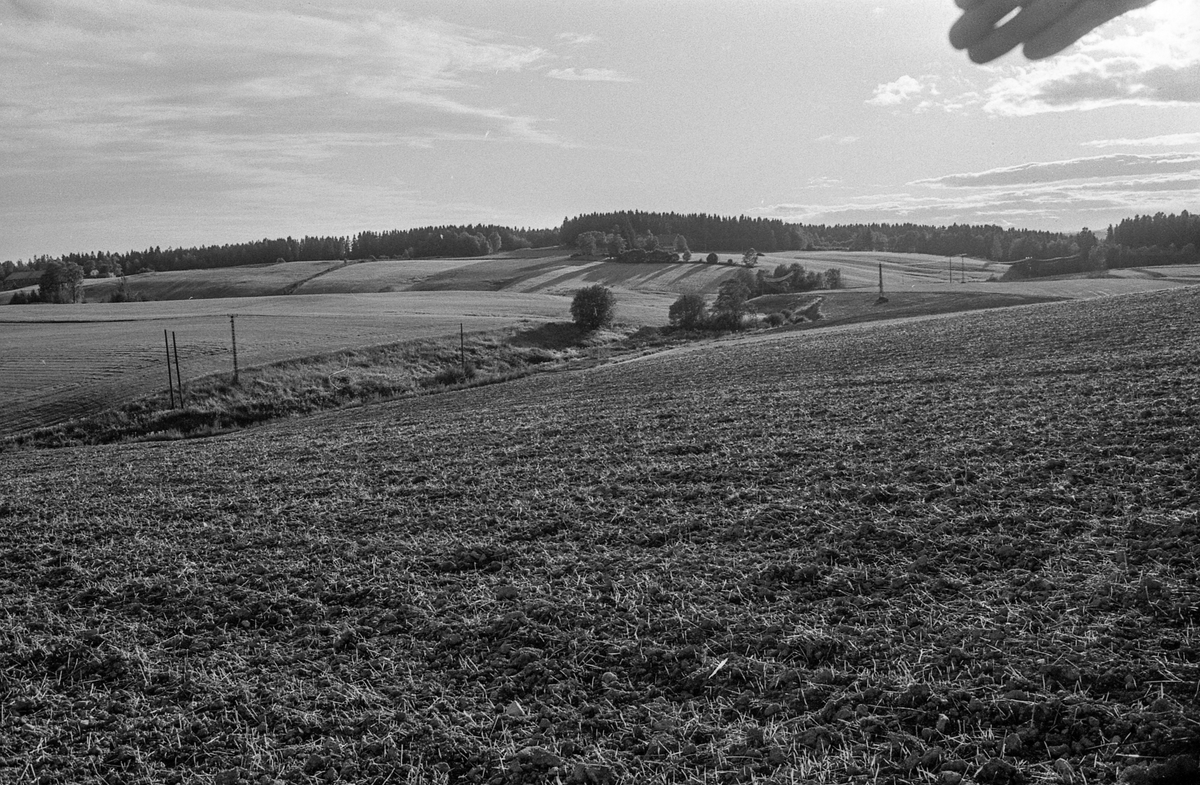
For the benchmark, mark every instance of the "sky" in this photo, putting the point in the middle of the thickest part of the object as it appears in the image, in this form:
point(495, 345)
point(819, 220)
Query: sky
point(126, 124)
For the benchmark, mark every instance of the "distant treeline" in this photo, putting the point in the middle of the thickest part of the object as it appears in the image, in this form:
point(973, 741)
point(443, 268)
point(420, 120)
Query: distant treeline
point(430, 241)
point(769, 235)
point(1146, 240)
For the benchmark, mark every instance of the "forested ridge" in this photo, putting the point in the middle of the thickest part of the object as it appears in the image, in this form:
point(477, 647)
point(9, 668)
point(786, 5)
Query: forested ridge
point(1138, 241)
point(423, 242)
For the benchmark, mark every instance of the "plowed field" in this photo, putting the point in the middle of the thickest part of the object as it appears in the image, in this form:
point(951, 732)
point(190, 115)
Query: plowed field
point(965, 549)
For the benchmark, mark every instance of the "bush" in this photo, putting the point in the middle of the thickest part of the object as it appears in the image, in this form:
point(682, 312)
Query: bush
point(455, 374)
point(776, 319)
point(593, 307)
point(689, 311)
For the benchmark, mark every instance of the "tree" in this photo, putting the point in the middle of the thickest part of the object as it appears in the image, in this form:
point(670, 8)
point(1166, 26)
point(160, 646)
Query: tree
point(750, 258)
point(1086, 241)
point(593, 307)
point(60, 282)
point(616, 244)
point(681, 246)
point(689, 311)
point(733, 301)
point(494, 242)
point(590, 243)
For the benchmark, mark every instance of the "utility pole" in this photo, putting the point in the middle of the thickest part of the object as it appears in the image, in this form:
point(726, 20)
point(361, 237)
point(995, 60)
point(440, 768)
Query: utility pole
point(170, 383)
point(233, 336)
point(178, 377)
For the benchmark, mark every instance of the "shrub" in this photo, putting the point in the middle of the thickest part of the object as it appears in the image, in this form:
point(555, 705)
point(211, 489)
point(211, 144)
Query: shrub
point(776, 319)
point(593, 307)
point(122, 294)
point(689, 311)
point(455, 374)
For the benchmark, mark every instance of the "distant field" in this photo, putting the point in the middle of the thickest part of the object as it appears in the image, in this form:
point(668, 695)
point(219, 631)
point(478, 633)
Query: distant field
point(381, 276)
point(253, 281)
point(62, 362)
point(861, 268)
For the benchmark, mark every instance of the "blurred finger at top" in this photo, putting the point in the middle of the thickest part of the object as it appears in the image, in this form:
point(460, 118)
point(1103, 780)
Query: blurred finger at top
point(1033, 18)
point(978, 22)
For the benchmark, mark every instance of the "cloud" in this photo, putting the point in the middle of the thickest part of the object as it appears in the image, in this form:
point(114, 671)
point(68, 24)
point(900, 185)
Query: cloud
point(1107, 166)
point(587, 75)
point(1165, 140)
point(577, 39)
point(897, 92)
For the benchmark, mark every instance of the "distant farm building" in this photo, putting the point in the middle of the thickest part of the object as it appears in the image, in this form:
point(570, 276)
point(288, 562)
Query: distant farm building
point(21, 279)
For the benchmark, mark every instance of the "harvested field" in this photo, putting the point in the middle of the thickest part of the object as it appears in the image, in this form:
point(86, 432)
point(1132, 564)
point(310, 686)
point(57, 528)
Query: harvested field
point(381, 276)
point(964, 549)
point(263, 280)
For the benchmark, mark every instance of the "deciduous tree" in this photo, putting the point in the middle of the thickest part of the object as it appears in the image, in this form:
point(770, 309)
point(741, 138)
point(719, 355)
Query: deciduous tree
point(689, 311)
point(593, 307)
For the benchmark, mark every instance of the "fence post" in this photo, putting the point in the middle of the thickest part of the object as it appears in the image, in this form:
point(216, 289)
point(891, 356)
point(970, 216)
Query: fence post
point(462, 350)
point(178, 378)
point(233, 335)
point(170, 383)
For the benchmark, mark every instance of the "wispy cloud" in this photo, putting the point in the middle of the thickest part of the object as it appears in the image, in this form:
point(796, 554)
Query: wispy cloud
point(587, 75)
point(140, 70)
point(1164, 140)
point(577, 39)
point(1109, 167)
point(1037, 194)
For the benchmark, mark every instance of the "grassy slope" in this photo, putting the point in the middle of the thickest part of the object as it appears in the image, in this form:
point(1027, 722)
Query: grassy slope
point(968, 544)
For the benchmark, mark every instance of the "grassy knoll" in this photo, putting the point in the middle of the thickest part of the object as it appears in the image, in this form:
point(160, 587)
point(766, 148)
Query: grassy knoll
point(956, 550)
